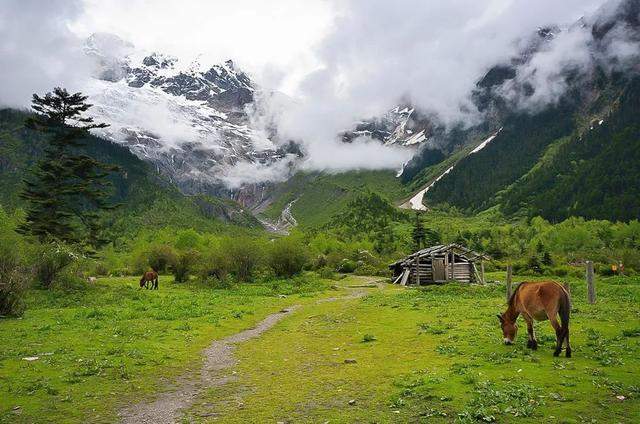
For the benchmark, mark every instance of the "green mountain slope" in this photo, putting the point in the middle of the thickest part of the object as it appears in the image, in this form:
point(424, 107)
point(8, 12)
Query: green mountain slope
point(595, 174)
point(318, 197)
point(553, 164)
point(147, 201)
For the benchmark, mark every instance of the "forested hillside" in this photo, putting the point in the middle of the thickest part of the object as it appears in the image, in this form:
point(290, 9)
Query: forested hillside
point(594, 174)
point(576, 158)
point(146, 200)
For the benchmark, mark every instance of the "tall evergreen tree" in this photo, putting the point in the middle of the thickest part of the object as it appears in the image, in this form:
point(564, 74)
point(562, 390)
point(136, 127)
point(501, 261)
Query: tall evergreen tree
point(67, 189)
point(418, 234)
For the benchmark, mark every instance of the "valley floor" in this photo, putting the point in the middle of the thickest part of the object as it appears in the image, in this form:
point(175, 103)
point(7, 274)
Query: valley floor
point(358, 352)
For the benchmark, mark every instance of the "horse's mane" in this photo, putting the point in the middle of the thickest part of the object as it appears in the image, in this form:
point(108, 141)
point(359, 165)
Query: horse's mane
point(512, 298)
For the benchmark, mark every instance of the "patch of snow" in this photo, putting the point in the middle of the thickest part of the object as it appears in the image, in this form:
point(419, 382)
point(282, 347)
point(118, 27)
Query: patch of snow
point(415, 139)
point(416, 201)
point(485, 142)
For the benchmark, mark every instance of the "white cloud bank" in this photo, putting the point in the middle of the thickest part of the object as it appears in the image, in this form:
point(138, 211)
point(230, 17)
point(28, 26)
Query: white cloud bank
point(38, 51)
point(341, 60)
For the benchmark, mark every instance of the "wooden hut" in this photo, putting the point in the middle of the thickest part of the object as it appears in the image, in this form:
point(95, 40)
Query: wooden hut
point(440, 264)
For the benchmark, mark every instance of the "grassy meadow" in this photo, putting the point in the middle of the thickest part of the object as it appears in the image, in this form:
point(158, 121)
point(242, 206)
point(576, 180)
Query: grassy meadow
point(436, 354)
point(393, 355)
point(110, 343)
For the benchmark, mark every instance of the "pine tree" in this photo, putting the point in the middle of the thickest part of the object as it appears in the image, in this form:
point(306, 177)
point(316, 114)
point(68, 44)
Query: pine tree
point(418, 233)
point(432, 237)
point(67, 189)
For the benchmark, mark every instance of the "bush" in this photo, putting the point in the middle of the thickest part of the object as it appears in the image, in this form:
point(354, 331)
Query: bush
point(50, 260)
point(321, 261)
point(287, 256)
point(243, 255)
point(13, 282)
point(327, 273)
point(184, 264)
point(214, 264)
point(216, 283)
point(347, 266)
point(161, 257)
point(13, 275)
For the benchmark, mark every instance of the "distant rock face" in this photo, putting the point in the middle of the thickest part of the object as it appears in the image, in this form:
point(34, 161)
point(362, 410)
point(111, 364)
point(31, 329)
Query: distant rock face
point(402, 126)
point(194, 124)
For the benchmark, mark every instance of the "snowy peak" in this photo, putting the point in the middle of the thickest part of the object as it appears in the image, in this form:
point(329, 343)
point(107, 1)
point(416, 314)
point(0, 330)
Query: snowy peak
point(197, 126)
point(402, 126)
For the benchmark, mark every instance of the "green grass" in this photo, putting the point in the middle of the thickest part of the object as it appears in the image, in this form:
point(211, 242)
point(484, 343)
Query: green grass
point(437, 354)
point(397, 355)
point(107, 344)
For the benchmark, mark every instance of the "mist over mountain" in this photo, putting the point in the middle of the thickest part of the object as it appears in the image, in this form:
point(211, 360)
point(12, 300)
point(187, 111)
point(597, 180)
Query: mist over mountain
point(377, 98)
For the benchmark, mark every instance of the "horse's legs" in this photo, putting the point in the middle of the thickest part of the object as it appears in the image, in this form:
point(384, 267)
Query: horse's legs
point(531, 343)
point(568, 352)
point(559, 333)
point(155, 284)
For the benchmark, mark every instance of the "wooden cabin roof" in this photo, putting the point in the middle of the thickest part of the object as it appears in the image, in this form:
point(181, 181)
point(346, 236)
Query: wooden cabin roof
point(466, 253)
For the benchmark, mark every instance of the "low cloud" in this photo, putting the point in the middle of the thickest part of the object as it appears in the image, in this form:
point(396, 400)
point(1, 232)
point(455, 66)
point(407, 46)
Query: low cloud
point(428, 53)
point(38, 51)
point(245, 172)
point(374, 55)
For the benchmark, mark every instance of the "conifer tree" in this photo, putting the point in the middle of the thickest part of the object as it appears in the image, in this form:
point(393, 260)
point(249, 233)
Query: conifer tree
point(418, 233)
point(67, 188)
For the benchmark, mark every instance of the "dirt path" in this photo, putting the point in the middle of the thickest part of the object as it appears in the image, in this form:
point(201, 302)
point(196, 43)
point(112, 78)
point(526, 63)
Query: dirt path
point(218, 357)
point(166, 408)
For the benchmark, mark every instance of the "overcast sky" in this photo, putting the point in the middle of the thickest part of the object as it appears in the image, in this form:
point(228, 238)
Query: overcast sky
point(274, 40)
point(342, 60)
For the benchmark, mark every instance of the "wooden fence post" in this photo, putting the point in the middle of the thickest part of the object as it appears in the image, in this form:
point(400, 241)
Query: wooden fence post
point(509, 278)
point(418, 270)
point(482, 271)
point(567, 287)
point(591, 288)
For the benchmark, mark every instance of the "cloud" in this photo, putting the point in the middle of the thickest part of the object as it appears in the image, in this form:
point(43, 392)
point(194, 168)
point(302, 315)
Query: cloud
point(340, 61)
point(38, 51)
point(429, 53)
point(245, 172)
point(545, 72)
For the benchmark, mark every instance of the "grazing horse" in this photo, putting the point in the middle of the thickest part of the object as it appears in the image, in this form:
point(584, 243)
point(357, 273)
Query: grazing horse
point(538, 301)
point(149, 277)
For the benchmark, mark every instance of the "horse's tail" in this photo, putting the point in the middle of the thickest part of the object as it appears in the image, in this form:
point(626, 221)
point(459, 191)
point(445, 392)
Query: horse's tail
point(564, 312)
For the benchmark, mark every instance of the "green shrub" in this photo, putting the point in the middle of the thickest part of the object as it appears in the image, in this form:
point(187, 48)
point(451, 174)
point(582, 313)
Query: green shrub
point(320, 261)
point(216, 283)
point(368, 338)
point(50, 260)
point(243, 255)
point(184, 264)
point(13, 282)
point(327, 273)
point(287, 256)
point(161, 257)
point(13, 275)
point(366, 269)
point(214, 264)
point(347, 266)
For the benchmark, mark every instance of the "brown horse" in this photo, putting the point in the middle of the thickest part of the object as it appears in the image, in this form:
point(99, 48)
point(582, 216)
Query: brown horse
point(538, 301)
point(149, 277)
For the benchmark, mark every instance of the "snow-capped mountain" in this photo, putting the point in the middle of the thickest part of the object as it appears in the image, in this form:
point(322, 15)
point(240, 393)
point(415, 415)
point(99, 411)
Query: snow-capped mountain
point(195, 124)
point(402, 126)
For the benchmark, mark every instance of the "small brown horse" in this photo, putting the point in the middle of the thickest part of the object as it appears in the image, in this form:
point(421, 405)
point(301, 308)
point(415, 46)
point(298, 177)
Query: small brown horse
point(149, 277)
point(538, 301)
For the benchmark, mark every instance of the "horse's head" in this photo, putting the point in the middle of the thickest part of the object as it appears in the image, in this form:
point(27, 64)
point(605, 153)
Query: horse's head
point(509, 328)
